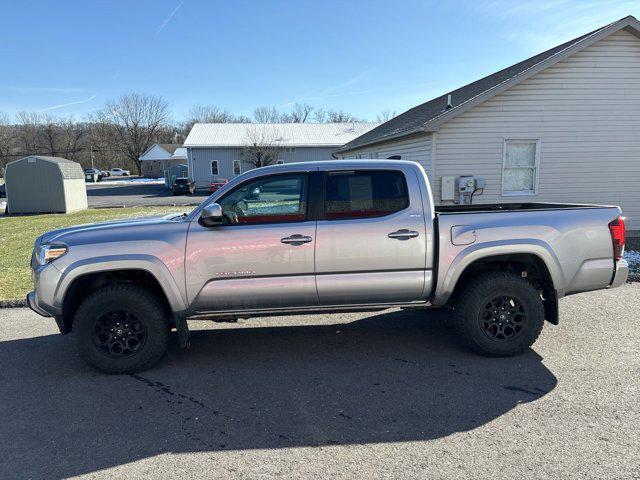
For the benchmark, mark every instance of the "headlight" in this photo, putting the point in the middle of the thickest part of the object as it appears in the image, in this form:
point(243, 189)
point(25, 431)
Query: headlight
point(48, 253)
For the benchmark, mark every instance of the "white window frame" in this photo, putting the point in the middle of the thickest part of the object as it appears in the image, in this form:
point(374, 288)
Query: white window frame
point(239, 162)
point(536, 171)
point(217, 168)
point(290, 149)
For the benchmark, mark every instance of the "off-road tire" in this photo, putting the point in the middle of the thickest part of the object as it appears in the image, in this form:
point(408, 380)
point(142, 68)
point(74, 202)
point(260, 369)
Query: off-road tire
point(146, 308)
point(472, 301)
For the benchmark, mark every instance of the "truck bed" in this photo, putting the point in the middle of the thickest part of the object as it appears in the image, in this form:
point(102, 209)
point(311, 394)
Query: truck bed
point(511, 207)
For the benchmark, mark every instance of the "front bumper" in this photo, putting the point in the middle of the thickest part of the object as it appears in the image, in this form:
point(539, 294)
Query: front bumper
point(620, 274)
point(33, 305)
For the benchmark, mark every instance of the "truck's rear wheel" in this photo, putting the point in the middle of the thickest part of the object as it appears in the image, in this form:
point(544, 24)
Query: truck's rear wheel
point(499, 314)
point(121, 328)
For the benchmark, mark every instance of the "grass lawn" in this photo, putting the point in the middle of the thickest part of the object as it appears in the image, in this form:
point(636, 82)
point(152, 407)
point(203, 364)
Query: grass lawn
point(17, 235)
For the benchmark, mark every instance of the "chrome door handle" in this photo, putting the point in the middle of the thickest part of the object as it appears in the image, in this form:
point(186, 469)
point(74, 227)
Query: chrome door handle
point(296, 239)
point(403, 234)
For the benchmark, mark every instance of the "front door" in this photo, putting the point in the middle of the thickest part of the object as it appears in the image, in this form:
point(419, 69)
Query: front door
point(261, 257)
point(371, 242)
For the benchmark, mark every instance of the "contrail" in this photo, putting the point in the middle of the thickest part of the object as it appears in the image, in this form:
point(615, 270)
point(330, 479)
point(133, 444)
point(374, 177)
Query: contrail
point(168, 19)
point(67, 104)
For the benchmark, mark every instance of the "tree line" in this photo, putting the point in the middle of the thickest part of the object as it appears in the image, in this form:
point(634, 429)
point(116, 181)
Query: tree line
point(120, 132)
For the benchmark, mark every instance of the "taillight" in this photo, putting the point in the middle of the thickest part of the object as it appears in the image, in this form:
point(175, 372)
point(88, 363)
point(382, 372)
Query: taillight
point(618, 237)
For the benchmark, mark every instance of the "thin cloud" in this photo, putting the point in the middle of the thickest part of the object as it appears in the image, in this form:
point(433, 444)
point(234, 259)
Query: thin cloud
point(168, 19)
point(62, 105)
point(38, 89)
point(542, 24)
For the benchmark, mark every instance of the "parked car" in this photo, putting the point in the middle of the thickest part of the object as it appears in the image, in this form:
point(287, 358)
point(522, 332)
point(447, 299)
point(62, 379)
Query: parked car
point(184, 186)
point(217, 183)
point(328, 236)
point(90, 171)
point(119, 172)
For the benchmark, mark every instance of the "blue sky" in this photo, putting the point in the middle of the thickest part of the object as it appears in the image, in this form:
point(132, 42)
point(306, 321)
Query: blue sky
point(67, 58)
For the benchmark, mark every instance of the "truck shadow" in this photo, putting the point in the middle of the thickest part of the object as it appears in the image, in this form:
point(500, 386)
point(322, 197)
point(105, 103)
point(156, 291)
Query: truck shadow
point(390, 377)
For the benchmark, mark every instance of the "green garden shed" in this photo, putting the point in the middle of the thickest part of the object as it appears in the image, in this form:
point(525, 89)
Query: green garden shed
point(41, 184)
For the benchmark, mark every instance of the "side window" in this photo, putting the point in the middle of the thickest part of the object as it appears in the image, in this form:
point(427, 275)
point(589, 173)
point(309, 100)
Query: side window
point(362, 194)
point(214, 167)
point(520, 167)
point(274, 199)
point(236, 167)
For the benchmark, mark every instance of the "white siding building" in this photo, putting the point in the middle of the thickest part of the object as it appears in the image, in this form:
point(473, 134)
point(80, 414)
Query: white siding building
point(218, 150)
point(562, 126)
point(160, 156)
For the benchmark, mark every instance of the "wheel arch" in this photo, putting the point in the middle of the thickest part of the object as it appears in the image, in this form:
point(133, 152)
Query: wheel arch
point(85, 277)
point(535, 261)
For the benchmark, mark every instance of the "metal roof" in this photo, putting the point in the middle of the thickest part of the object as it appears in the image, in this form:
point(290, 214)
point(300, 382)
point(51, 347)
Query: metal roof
point(282, 134)
point(448, 105)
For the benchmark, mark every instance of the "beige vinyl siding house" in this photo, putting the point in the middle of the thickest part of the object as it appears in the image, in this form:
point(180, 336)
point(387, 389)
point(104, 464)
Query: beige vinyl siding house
point(563, 128)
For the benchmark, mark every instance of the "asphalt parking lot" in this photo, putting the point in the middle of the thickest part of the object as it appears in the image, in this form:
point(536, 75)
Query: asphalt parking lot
point(126, 194)
point(376, 395)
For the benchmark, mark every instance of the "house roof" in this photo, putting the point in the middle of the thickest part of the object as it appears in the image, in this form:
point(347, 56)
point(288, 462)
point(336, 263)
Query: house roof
point(170, 147)
point(282, 134)
point(68, 168)
point(180, 153)
point(427, 116)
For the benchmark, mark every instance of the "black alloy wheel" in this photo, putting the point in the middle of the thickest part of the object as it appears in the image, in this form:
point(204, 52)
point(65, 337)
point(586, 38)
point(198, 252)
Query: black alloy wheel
point(502, 318)
point(119, 334)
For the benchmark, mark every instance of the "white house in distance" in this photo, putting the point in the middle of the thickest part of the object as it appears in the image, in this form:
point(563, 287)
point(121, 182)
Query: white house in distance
point(217, 150)
point(562, 126)
point(161, 156)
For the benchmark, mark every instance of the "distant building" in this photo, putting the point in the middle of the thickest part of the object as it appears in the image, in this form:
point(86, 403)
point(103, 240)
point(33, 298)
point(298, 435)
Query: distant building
point(561, 126)
point(39, 184)
point(161, 156)
point(218, 150)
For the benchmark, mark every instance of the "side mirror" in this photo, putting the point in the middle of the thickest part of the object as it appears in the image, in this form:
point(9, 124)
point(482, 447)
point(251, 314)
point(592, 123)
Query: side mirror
point(211, 215)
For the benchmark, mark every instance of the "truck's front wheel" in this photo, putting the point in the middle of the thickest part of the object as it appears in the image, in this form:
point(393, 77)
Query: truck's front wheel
point(499, 314)
point(121, 328)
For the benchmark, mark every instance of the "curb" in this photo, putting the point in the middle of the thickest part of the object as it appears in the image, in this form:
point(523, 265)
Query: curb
point(13, 303)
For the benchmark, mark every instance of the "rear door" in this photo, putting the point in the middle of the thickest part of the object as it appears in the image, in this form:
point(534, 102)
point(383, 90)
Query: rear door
point(371, 238)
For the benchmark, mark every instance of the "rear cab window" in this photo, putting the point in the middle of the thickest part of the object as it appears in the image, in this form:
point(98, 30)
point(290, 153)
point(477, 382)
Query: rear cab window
point(364, 194)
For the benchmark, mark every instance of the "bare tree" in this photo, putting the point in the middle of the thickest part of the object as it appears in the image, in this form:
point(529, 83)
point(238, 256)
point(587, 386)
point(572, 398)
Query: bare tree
point(210, 114)
point(386, 115)
point(333, 116)
point(266, 115)
point(139, 120)
point(29, 136)
point(7, 136)
point(340, 116)
point(262, 146)
point(72, 136)
point(299, 114)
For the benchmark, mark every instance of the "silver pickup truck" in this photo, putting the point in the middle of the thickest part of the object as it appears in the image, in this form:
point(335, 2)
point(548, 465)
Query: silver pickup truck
point(323, 237)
